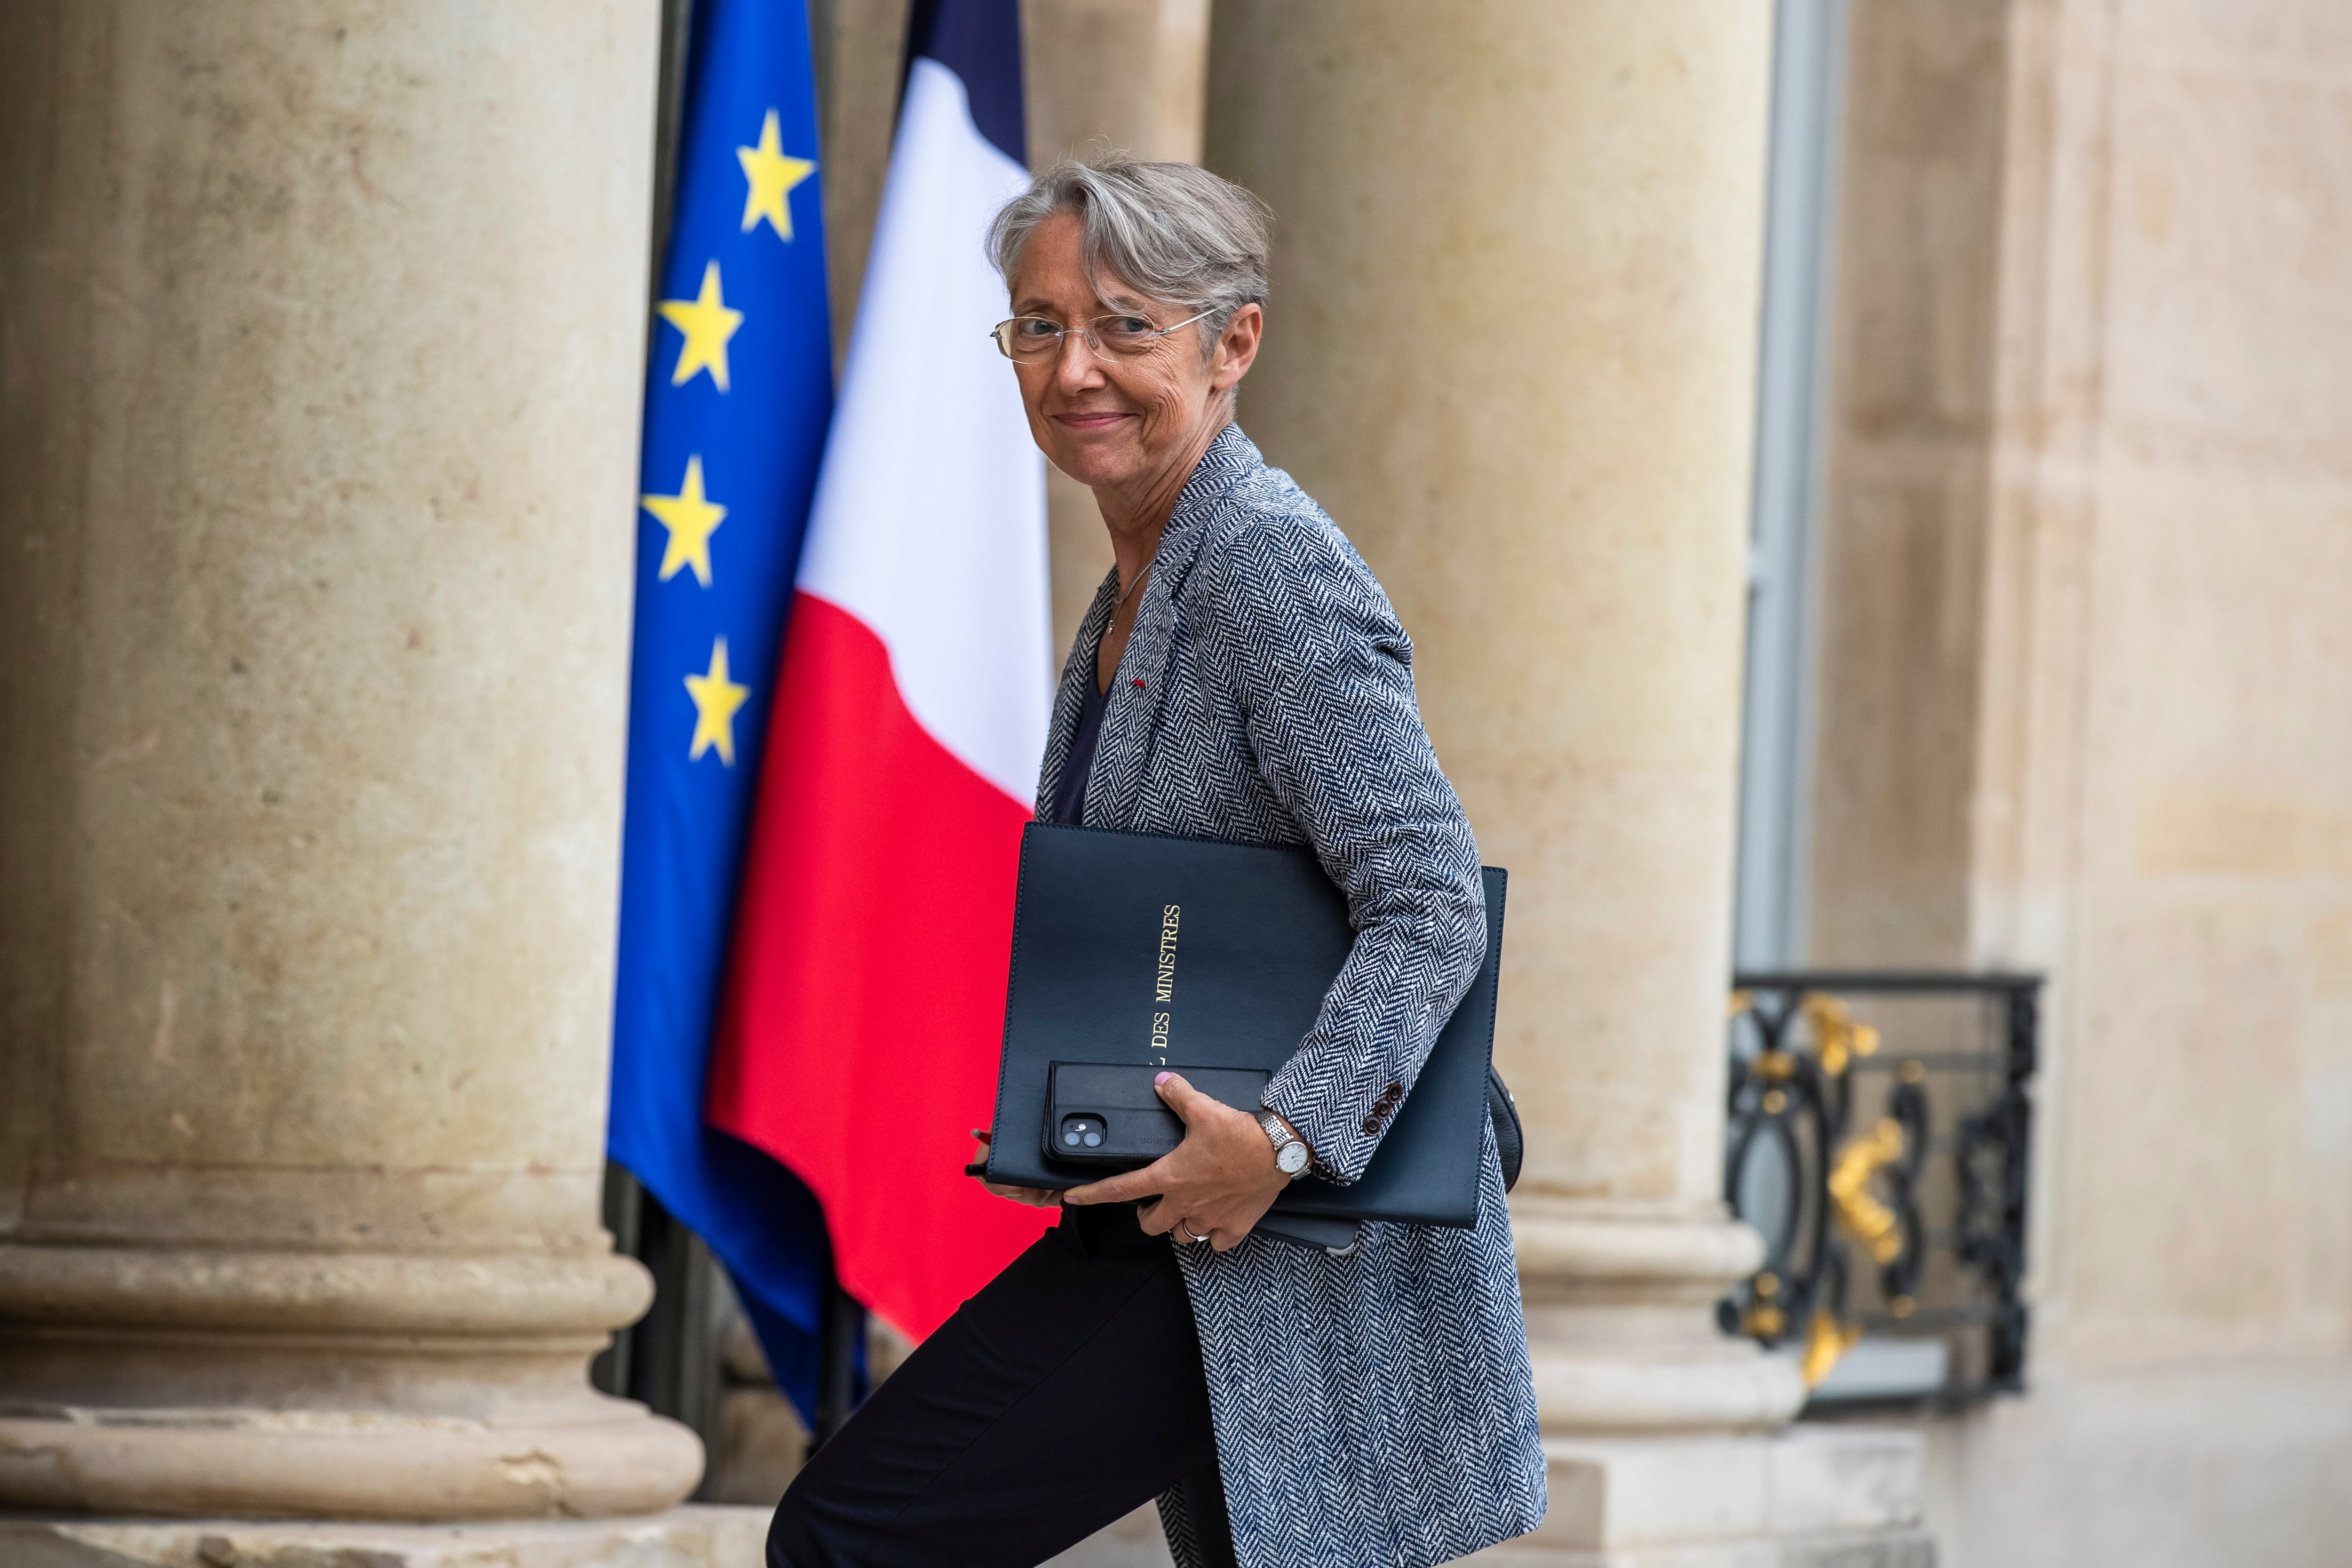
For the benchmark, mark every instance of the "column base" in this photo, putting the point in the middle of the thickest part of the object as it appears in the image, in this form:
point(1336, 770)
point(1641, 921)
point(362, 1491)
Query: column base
point(1811, 1496)
point(1621, 1323)
point(343, 1464)
point(1740, 1389)
point(307, 1386)
point(691, 1537)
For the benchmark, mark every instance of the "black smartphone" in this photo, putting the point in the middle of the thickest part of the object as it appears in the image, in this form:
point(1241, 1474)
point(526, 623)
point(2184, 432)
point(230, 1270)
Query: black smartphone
point(1110, 1114)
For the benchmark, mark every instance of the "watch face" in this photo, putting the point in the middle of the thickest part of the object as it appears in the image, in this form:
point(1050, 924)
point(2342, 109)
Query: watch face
point(1291, 1158)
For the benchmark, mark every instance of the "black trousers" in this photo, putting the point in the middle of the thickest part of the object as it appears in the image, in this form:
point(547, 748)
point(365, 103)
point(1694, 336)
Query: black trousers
point(1064, 1395)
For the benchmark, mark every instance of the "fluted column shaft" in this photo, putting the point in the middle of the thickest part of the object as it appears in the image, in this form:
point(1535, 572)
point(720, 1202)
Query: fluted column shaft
point(324, 333)
point(1512, 348)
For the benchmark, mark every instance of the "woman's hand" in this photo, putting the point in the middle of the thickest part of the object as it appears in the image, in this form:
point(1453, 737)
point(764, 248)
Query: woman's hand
point(1215, 1186)
point(1035, 1197)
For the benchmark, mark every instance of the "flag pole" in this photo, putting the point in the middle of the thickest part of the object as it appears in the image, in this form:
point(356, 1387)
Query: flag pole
point(836, 1368)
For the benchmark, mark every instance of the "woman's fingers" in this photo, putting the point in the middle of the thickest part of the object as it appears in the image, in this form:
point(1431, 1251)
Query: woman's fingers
point(1180, 1095)
point(1035, 1197)
point(1170, 1217)
point(1151, 1179)
point(1212, 1185)
point(1165, 1218)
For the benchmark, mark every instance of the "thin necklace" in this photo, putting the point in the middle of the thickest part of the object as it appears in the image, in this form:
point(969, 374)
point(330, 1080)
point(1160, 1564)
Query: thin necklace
point(1120, 602)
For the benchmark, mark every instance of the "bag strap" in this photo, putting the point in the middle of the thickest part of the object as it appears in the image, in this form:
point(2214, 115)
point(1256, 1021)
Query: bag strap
point(1508, 1140)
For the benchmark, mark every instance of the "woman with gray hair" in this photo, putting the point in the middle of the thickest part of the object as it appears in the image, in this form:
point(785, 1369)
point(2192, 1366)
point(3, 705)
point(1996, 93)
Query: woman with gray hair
point(1240, 675)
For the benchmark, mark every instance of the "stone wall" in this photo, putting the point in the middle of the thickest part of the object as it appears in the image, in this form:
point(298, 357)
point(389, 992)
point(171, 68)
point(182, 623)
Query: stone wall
point(2086, 674)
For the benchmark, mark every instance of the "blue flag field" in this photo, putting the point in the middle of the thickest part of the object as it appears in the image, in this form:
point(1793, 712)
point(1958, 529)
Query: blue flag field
point(739, 391)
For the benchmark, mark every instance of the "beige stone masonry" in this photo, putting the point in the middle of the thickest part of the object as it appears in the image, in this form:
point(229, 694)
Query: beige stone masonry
point(692, 1537)
point(2087, 542)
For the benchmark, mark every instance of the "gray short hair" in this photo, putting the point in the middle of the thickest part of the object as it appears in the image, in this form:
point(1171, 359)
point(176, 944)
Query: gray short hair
point(1174, 231)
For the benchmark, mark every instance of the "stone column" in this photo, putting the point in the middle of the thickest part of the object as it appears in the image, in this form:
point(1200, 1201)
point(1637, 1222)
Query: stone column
point(1124, 74)
point(323, 335)
point(1512, 348)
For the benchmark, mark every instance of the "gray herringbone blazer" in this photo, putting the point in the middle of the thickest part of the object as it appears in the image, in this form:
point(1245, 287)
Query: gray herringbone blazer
point(1374, 1410)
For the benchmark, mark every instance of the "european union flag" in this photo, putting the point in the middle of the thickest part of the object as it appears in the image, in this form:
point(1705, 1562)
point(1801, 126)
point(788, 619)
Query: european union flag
point(739, 390)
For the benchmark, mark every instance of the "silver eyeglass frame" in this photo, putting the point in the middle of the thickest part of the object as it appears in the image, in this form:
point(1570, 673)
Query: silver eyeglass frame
point(1001, 335)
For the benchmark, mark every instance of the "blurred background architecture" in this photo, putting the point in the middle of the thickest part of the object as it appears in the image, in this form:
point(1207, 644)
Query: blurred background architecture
point(1871, 484)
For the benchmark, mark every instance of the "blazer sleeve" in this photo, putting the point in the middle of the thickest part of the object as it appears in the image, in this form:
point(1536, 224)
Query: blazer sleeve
point(1323, 673)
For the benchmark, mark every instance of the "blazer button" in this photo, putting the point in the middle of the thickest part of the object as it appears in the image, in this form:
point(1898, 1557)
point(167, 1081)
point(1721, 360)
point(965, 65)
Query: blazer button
point(1371, 1126)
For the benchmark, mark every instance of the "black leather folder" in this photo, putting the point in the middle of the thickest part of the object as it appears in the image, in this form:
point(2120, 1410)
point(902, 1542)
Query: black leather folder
point(1149, 953)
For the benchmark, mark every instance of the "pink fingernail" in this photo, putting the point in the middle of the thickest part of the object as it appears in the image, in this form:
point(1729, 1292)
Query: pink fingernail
point(1163, 1077)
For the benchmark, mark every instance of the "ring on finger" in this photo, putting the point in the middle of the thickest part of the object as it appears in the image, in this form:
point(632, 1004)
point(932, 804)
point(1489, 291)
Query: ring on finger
point(1189, 1234)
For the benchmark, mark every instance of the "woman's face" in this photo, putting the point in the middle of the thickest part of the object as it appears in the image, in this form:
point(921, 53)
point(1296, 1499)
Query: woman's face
point(1112, 420)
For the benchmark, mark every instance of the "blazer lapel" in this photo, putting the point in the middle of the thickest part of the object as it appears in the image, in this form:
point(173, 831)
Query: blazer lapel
point(1116, 783)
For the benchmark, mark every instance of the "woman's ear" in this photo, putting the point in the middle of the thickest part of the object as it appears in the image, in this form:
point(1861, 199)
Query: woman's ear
point(1237, 347)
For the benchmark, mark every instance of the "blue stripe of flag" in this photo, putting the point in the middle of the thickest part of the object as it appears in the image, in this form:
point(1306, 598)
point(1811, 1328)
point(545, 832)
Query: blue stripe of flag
point(736, 411)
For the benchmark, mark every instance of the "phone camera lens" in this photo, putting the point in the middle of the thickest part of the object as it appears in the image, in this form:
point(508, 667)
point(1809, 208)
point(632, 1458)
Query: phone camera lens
point(1071, 1137)
point(1094, 1140)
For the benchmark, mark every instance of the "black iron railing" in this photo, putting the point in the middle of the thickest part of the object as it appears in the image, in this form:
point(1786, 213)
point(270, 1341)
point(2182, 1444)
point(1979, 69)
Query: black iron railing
point(1879, 1131)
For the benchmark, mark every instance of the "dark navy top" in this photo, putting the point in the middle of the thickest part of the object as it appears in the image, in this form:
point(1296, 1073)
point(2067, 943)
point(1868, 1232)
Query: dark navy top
point(1070, 790)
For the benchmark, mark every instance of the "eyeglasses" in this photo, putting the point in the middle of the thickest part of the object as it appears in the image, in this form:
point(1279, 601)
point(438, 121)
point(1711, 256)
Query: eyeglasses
point(1032, 340)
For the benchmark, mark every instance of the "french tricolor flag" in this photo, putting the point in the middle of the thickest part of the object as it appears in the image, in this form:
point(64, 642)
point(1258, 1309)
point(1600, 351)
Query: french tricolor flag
point(867, 992)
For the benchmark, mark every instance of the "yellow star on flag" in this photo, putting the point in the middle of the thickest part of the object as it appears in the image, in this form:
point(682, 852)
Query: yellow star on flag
point(716, 699)
point(708, 323)
point(769, 177)
point(690, 519)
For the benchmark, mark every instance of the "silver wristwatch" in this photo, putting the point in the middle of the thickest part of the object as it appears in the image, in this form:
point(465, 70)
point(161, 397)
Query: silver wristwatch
point(1290, 1156)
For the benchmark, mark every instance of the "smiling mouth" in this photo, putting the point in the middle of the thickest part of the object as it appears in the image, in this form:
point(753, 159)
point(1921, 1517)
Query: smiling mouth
point(1095, 419)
